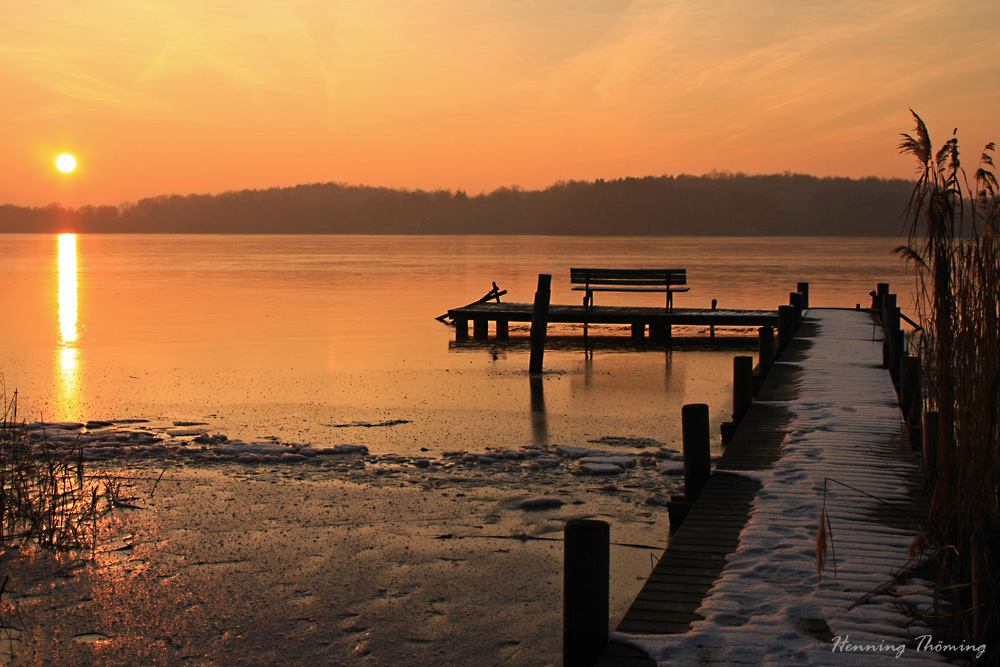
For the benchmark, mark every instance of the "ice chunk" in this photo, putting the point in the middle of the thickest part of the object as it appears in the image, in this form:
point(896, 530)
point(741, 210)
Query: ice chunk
point(540, 502)
point(601, 468)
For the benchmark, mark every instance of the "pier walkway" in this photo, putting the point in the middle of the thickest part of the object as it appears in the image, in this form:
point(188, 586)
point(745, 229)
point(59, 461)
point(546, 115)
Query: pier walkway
point(739, 583)
point(658, 320)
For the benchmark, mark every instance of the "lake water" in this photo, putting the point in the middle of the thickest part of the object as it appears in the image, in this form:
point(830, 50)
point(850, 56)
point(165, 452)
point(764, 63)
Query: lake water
point(293, 337)
point(328, 340)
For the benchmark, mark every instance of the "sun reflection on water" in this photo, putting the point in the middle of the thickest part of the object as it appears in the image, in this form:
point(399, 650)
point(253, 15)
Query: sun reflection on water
point(68, 354)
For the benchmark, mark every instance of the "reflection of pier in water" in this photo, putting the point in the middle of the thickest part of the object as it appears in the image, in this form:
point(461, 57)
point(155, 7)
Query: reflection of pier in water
point(498, 349)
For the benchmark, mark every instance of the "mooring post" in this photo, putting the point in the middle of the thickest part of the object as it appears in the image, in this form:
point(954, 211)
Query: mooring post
point(711, 329)
point(910, 399)
point(795, 301)
point(786, 320)
point(881, 289)
point(540, 322)
point(985, 593)
point(803, 289)
point(697, 449)
point(888, 303)
point(586, 569)
point(742, 386)
point(480, 328)
point(765, 349)
point(909, 383)
point(929, 431)
point(898, 339)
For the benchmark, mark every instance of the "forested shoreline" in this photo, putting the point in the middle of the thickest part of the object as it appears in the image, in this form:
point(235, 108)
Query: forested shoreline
point(714, 204)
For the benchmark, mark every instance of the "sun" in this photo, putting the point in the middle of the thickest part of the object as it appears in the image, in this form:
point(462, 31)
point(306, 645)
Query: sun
point(65, 163)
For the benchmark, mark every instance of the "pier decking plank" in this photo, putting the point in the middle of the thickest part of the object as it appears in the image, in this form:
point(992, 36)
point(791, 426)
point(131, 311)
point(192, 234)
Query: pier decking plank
point(668, 602)
point(697, 553)
point(521, 312)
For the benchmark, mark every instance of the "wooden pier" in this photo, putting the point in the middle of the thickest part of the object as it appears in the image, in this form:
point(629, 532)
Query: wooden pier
point(657, 321)
point(684, 587)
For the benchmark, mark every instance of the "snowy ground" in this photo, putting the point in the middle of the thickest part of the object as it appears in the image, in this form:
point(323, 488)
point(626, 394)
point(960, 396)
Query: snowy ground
point(770, 606)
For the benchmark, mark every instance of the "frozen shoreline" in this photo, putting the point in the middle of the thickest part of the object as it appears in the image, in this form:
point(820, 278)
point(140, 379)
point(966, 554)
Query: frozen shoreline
point(336, 559)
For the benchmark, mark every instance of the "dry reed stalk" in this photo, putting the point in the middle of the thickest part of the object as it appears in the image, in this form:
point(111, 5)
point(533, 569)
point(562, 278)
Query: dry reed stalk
point(954, 242)
point(45, 498)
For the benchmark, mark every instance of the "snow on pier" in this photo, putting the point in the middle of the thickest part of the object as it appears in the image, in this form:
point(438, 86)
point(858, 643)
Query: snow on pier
point(754, 595)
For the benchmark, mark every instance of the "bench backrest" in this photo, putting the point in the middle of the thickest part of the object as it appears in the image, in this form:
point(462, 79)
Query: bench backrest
point(657, 277)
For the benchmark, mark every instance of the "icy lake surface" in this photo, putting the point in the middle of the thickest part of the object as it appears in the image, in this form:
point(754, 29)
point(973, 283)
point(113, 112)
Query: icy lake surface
point(327, 340)
point(303, 439)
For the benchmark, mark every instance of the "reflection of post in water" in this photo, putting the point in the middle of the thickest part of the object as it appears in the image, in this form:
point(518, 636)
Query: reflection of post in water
point(588, 364)
point(539, 418)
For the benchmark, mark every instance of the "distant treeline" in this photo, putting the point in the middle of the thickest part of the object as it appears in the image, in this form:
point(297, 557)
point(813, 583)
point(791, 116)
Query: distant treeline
point(714, 204)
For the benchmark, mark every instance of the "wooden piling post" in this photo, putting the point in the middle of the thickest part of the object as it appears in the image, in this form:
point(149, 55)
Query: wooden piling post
point(888, 304)
point(461, 329)
point(909, 383)
point(742, 386)
point(765, 349)
point(786, 321)
point(711, 328)
point(540, 322)
point(930, 432)
point(910, 398)
point(803, 289)
point(697, 449)
point(881, 289)
point(638, 330)
point(480, 328)
point(503, 329)
point(586, 570)
point(986, 593)
point(795, 300)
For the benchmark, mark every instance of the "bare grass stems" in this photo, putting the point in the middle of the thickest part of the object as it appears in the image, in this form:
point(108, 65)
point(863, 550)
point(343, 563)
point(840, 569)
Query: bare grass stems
point(954, 245)
point(45, 497)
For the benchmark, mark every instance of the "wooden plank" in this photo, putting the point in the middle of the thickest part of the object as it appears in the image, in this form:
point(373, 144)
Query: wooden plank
point(623, 655)
point(644, 626)
point(567, 314)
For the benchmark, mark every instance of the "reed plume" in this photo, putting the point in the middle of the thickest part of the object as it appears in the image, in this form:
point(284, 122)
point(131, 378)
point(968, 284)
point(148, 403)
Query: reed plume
point(954, 245)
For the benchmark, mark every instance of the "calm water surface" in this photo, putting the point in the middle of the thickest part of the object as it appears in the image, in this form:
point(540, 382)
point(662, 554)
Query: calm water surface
point(295, 336)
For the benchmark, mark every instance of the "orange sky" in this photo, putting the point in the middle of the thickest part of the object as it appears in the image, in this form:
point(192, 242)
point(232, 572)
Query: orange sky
point(181, 96)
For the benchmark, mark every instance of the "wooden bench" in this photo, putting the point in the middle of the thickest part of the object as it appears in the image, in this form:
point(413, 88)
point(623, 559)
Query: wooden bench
point(628, 280)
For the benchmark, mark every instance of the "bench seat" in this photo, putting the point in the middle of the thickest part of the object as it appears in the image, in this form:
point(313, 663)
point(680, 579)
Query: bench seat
point(666, 281)
point(604, 288)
